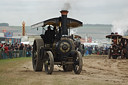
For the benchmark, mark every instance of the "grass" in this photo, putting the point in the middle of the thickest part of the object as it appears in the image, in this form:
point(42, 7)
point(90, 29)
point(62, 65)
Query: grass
point(7, 68)
point(9, 63)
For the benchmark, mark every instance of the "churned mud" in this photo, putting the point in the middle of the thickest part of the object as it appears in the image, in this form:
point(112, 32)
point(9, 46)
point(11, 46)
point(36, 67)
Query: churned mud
point(97, 70)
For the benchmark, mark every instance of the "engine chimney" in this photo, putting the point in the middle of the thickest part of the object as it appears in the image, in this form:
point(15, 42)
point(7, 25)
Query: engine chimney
point(64, 30)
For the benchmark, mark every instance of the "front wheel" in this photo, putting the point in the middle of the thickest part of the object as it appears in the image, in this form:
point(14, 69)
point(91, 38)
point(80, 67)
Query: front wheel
point(49, 63)
point(78, 63)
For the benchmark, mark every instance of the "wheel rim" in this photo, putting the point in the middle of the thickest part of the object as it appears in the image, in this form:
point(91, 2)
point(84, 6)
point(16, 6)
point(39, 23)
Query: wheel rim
point(78, 63)
point(34, 55)
point(49, 63)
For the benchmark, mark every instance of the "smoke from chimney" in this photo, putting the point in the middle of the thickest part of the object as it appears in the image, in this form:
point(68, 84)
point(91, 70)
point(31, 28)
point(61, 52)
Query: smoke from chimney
point(66, 6)
point(121, 26)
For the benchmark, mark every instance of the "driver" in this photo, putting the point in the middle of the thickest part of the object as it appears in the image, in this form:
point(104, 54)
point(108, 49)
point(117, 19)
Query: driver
point(49, 35)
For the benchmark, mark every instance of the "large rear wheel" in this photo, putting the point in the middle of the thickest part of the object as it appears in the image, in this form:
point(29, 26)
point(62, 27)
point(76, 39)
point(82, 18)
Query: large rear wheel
point(78, 63)
point(36, 58)
point(49, 63)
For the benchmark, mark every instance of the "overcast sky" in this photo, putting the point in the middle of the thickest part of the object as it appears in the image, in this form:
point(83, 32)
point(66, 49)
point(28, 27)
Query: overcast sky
point(87, 11)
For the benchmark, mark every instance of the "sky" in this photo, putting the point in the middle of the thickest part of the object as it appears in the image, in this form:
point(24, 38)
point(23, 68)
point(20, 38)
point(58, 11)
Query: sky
point(15, 12)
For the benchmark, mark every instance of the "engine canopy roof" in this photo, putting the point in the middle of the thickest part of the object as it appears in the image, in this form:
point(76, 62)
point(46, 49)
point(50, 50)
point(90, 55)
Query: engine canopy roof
point(71, 23)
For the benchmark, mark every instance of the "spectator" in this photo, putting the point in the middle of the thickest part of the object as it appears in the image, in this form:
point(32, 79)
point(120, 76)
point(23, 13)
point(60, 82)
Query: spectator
point(16, 50)
point(28, 53)
point(21, 47)
point(5, 51)
point(0, 51)
point(12, 46)
point(10, 50)
point(24, 50)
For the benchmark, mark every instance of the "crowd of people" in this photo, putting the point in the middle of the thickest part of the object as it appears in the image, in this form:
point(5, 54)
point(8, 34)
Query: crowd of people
point(102, 50)
point(21, 50)
point(14, 50)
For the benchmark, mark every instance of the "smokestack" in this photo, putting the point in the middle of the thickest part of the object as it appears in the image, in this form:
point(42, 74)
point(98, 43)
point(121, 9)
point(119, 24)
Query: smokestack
point(64, 12)
point(64, 22)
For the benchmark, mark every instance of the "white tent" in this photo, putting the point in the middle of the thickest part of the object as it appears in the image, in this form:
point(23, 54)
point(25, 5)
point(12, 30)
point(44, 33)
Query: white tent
point(89, 44)
point(25, 42)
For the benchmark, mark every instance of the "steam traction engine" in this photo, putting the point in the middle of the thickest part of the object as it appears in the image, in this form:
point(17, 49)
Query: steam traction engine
point(58, 48)
point(115, 49)
point(124, 45)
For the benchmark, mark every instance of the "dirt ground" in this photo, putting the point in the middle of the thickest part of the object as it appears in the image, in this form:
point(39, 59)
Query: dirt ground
point(97, 70)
